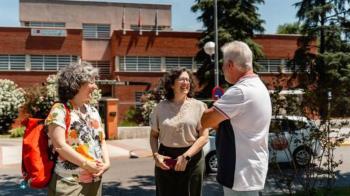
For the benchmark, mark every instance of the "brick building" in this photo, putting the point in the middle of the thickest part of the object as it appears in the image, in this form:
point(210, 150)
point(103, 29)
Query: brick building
point(126, 41)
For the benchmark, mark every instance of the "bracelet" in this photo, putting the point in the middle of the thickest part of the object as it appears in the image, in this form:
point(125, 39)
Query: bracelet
point(84, 164)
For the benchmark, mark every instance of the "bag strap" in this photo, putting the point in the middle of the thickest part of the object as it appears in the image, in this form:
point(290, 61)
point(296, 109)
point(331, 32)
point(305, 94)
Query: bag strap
point(67, 119)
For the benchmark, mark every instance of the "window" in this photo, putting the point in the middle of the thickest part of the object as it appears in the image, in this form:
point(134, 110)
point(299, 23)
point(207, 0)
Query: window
point(142, 64)
point(12, 62)
point(138, 96)
point(50, 62)
point(96, 31)
point(44, 24)
point(148, 27)
point(275, 126)
point(103, 67)
point(176, 62)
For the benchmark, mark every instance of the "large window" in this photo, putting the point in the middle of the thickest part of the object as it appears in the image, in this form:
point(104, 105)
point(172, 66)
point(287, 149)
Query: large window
point(148, 27)
point(50, 62)
point(273, 66)
point(103, 67)
point(96, 31)
point(140, 64)
point(176, 62)
point(44, 24)
point(12, 62)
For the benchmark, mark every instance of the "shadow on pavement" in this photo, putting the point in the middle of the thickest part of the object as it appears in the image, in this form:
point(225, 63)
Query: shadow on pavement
point(137, 186)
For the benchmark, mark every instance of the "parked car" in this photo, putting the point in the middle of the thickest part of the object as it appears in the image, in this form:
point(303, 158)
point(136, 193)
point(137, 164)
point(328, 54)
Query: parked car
point(211, 162)
point(289, 140)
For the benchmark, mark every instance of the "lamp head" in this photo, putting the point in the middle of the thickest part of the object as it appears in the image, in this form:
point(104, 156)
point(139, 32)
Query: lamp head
point(209, 48)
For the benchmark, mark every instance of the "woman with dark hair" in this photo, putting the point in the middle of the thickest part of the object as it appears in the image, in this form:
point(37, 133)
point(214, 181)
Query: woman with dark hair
point(177, 138)
point(83, 155)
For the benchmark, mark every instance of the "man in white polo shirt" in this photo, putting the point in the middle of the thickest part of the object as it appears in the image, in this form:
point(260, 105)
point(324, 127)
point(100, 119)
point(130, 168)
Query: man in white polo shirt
point(242, 119)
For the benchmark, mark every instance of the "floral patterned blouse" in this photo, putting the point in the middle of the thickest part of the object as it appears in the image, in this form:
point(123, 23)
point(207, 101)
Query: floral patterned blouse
point(84, 136)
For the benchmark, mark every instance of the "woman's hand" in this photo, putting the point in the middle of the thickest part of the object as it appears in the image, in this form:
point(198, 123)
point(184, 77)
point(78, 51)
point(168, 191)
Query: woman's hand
point(92, 166)
point(181, 163)
point(104, 167)
point(159, 161)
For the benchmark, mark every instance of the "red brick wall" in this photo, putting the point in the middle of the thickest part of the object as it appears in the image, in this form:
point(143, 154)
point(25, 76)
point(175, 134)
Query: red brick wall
point(26, 79)
point(19, 41)
point(182, 44)
point(277, 47)
point(126, 94)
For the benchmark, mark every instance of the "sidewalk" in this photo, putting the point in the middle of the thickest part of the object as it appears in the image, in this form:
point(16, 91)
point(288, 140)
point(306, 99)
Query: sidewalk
point(11, 149)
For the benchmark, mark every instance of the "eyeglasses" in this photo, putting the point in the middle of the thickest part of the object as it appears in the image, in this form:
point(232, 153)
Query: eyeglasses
point(183, 80)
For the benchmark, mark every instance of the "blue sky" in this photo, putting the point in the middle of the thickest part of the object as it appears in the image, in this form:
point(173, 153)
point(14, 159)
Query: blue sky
point(274, 12)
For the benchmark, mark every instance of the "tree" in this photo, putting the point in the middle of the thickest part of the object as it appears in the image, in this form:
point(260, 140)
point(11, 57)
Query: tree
point(237, 20)
point(289, 28)
point(324, 76)
point(324, 20)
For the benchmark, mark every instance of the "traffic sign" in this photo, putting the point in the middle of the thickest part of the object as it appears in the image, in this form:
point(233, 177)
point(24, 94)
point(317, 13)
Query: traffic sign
point(217, 92)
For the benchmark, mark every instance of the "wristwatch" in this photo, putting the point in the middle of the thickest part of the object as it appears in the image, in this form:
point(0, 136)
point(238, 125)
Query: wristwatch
point(188, 158)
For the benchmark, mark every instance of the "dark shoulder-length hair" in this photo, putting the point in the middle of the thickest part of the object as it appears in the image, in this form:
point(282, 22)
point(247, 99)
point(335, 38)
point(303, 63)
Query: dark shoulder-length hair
point(169, 81)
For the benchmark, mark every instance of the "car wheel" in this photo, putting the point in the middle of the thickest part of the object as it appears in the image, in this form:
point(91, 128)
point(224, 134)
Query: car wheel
point(211, 162)
point(302, 156)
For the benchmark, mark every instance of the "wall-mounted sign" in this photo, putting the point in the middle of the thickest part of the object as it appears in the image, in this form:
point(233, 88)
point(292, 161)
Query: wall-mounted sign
point(49, 32)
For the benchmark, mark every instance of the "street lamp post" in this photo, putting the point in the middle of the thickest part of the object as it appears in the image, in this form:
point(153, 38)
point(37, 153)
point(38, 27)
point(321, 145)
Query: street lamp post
point(209, 49)
point(212, 48)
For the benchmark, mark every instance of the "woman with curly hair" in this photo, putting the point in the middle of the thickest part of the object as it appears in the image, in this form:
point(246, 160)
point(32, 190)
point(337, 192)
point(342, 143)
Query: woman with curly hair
point(177, 137)
point(83, 155)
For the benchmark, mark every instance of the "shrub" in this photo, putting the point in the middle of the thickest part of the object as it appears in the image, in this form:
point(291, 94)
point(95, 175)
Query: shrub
point(132, 117)
point(11, 99)
point(17, 132)
point(40, 99)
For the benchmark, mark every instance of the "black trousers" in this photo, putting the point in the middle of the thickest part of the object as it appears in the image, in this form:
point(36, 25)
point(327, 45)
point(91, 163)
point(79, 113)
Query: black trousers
point(174, 183)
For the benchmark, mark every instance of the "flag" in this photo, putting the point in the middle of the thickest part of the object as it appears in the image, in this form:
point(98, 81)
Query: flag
point(156, 22)
point(123, 21)
point(139, 23)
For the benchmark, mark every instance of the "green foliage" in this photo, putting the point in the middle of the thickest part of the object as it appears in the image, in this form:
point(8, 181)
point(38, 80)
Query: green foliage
point(11, 99)
point(141, 116)
point(288, 28)
point(133, 117)
point(324, 77)
point(237, 20)
point(39, 99)
point(17, 132)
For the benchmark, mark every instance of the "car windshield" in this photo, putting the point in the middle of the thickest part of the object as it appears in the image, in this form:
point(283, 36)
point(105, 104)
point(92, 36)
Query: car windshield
point(286, 125)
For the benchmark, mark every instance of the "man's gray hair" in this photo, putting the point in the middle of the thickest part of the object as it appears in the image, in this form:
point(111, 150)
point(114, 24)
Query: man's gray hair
point(239, 53)
point(72, 77)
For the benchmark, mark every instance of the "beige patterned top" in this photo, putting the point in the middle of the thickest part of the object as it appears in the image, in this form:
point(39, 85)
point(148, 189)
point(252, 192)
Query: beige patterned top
point(177, 125)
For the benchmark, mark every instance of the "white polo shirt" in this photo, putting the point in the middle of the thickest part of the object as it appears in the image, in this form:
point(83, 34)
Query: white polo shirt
point(242, 139)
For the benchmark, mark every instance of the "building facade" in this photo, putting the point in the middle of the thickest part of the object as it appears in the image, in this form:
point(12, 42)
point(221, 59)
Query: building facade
point(131, 43)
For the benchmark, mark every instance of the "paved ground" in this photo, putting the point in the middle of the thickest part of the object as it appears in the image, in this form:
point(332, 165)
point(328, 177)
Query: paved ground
point(126, 177)
point(11, 149)
point(140, 181)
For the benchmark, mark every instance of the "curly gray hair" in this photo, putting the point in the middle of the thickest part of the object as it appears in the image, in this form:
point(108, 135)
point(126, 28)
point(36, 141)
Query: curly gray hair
point(72, 77)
